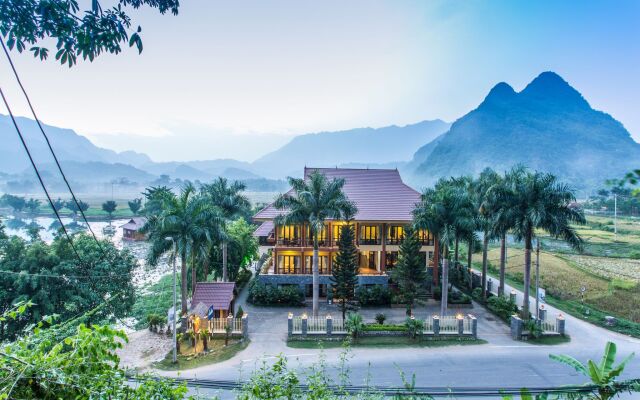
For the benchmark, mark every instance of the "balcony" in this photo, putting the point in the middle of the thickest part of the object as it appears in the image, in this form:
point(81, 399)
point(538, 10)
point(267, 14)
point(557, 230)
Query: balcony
point(370, 241)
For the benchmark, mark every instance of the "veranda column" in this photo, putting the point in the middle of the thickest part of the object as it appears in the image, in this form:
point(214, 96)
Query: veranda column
point(436, 260)
point(383, 255)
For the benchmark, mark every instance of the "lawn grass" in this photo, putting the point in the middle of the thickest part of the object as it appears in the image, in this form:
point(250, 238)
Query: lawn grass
point(218, 352)
point(154, 299)
point(550, 340)
point(382, 342)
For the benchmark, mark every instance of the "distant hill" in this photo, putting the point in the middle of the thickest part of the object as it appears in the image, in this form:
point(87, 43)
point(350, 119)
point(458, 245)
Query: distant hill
point(548, 126)
point(362, 146)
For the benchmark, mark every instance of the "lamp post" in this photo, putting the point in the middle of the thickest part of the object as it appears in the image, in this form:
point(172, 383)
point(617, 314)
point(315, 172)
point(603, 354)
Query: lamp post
point(175, 311)
point(537, 279)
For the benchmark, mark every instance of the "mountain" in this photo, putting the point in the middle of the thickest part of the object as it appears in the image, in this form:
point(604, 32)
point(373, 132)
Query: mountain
point(69, 146)
point(548, 126)
point(391, 144)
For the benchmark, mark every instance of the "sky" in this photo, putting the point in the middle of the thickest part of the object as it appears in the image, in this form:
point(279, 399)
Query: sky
point(238, 79)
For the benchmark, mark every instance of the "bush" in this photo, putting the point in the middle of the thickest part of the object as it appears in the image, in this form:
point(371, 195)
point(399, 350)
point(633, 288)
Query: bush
point(458, 298)
point(156, 322)
point(477, 294)
point(244, 276)
point(376, 295)
point(270, 295)
point(502, 306)
point(240, 312)
point(414, 327)
point(437, 293)
point(378, 328)
point(380, 318)
point(635, 255)
point(354, 325)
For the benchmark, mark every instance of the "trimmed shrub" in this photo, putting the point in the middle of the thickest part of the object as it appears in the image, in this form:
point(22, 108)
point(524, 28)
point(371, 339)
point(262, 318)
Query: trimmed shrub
point(380, 318)
point(502, 306)
point(270, 295)
point(437, 293)
point(458, 298)
point(240, 312)
point(376, 295)
point(379, 328)
point(244, 276)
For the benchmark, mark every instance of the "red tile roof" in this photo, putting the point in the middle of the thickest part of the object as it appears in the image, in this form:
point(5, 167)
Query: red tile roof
point(379, 194)
point(216, 294)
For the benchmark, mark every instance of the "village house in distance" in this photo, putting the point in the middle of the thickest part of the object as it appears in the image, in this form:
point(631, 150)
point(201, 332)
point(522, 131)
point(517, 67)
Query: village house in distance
point(385, 206)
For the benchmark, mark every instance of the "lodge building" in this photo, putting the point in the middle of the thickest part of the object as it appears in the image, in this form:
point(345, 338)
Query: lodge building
point(385, 205)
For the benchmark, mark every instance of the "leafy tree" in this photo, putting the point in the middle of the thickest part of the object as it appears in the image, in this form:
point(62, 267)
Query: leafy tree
point(155, 197)
point(33, 205)
point(109, 207)
point(70, 360)
point(345, 269)
point(135, 205)
point(53, 278)
point(76, 208)
point(444, 211)
point(231, 201)
point(314, 200)
point(17, 203)
point(59, 204)
point(188, 219)
point(537, 201)
point(77, 32)
point(411, 272)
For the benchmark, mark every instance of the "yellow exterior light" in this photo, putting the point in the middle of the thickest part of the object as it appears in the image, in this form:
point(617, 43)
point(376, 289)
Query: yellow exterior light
point(459, 316)
point(304, 315)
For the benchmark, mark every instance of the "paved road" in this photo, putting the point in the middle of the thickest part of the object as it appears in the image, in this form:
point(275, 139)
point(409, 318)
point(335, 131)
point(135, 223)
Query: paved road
point(501, 362)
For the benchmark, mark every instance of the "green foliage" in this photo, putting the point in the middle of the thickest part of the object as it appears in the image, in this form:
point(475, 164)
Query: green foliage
point(415, 327)
point(244, 276)
point(109, 207)
point(135, 205)
point(410, 273)
point(242, 250)
point(437, 293)
point(534, 328)
point(77, 32)
point(604, 374)
point(33, 205)
point(457, 297)
point(76, 208)
point(354, 325)
point(17, 203)
point(53, 278)
point(156, 322)
point(271, 295)
point(502, 306)
point(345, 269)
point(380, 318)
point(376, 295)
point(240, 312)
point(78, 365)
point(382, 328)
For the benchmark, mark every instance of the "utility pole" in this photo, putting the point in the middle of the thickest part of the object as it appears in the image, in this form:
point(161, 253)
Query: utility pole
point(175, 300)
point(537, 279)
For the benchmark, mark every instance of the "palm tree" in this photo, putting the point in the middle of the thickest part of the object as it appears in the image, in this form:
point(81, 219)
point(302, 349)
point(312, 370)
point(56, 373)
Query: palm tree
point(537, 201)
point(486, 204)
point(188, 219)
point(314, 201)
point(232, 203)
point(444, 211)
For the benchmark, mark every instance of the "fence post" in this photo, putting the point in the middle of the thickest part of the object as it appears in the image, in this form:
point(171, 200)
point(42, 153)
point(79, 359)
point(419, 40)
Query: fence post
point(489, 286)
point(245, 326)
point(460, 320)
point(436, 325)
point(474, 326)
point(542, 313)
point(512, 296)
point(305, 325)
point(329, 325)
point(560, 324)
point(230, 322)
point(516, 327)
point(290, 324)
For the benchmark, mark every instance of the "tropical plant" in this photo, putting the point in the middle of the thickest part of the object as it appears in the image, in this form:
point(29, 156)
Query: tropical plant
point(537, 201)
point(314, 200)
point(266, 295)
point(77, 32)
point(444, 211)
point(380, 318)
point(602, 375)
point(231, 201)
point(135, 205)
point(58, 204)
point(187, 220)
point(487, 204)
point(155, 197)
point(76, 207)
point(344, 272)
point(410, 272)
point(109, 207)
point(415, 327)
point(33, 205)
point(354, 325)
point(376, 295)
point(15, 202)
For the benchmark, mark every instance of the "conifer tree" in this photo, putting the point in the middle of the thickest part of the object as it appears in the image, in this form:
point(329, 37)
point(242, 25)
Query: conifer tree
point(345, 269)
point(410, 273)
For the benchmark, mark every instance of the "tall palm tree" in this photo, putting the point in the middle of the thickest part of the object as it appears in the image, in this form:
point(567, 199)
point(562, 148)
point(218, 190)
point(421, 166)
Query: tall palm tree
point(313, 202)
point(485, 202)
point(231, 201)
point(187, 219)
point(444, 211)
point(537, 201)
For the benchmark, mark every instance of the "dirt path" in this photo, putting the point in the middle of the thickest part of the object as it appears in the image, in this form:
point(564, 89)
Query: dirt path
point(143, 349)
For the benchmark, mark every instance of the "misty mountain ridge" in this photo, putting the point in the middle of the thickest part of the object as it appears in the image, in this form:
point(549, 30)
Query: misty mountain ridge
point(548, 126)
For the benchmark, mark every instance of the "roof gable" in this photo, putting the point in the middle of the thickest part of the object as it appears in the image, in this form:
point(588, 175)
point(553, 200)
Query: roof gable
point(216, 294)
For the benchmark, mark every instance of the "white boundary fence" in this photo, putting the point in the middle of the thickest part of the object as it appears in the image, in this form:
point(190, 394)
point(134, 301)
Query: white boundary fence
point(239, 326)
point(433, 326)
